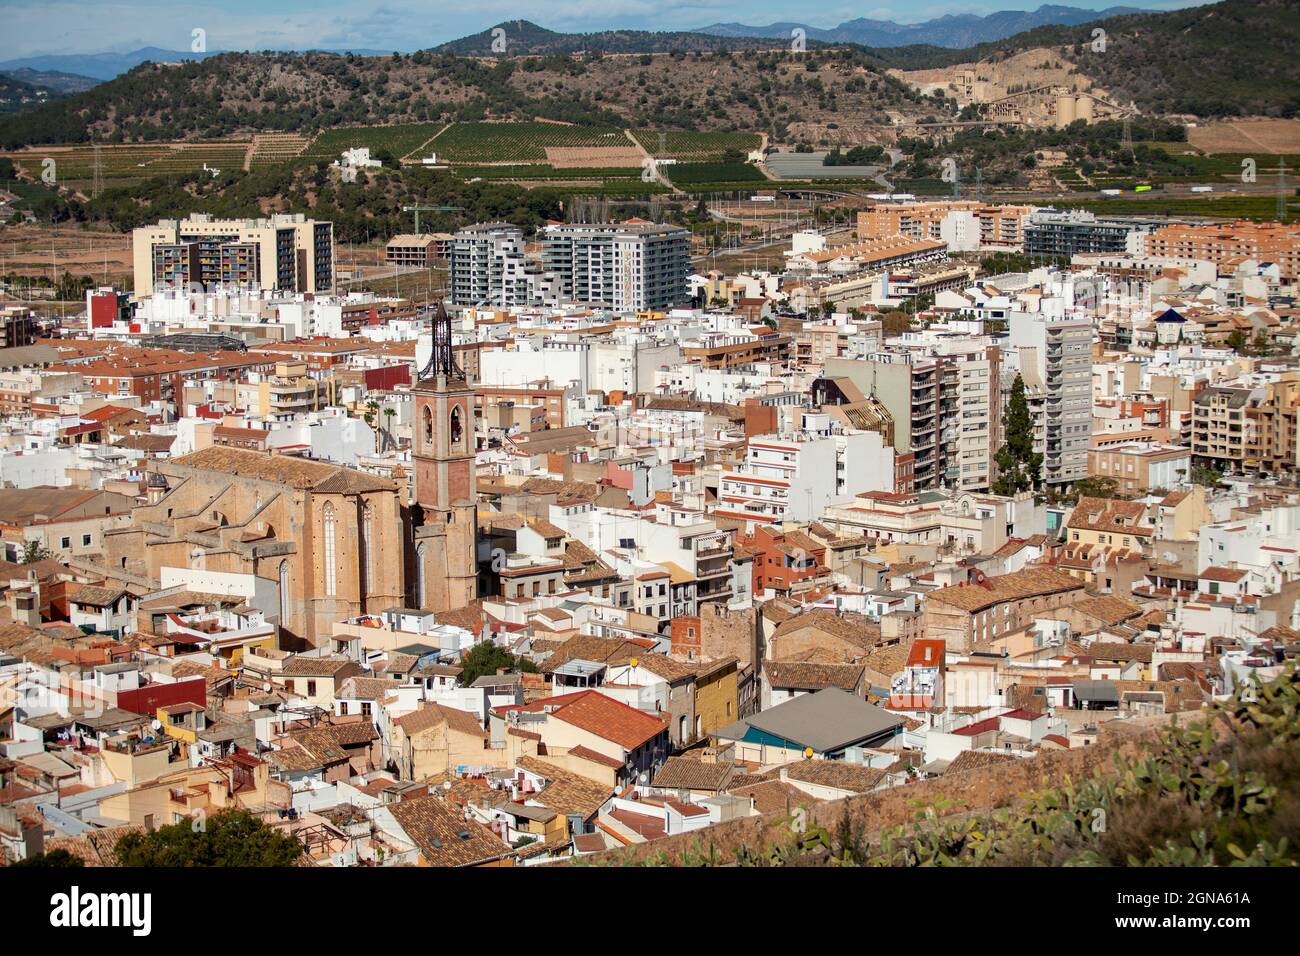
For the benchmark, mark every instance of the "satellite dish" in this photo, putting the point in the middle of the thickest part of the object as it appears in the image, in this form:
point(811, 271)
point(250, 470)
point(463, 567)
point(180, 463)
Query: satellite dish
point(266, 686)
point(446, 785)
point(156, 725)
point(807, 753)
point(644, 778)
point(634, 662)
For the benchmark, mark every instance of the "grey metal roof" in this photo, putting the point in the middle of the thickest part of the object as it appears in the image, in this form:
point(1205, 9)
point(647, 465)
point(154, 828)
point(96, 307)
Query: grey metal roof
point(1098, 691)
point(828, 720)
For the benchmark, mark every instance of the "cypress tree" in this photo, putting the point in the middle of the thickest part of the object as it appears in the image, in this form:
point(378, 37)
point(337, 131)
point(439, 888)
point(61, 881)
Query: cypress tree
point(1019, 468)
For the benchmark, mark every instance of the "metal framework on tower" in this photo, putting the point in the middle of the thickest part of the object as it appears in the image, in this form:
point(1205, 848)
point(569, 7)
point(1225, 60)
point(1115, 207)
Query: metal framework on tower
point(442, 361)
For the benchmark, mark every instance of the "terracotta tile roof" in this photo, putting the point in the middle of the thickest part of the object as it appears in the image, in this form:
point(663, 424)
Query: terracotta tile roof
point(771, 796)
point(974, 759)
point(832, 773)
point(610, 719)
point(847, 626)
point(1026, 583)
point(1121, 652)
point(1108, 609)
point(1109, 515)
point(300, 666)
point(1227, 575)
point(443, 837)
point(432, 715)
point(683, 773)
point(810, 676)
point(567, 792)
point(285, 469)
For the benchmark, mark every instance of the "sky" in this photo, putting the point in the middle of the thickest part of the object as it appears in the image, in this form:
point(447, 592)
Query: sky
point(93, 26)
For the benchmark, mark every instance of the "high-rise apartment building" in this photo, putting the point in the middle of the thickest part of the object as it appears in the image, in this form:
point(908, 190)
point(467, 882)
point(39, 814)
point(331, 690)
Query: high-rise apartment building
point(488, 267)
point(290, 253)
point(628, 265)
point(1052, 232)
point(1055, 356)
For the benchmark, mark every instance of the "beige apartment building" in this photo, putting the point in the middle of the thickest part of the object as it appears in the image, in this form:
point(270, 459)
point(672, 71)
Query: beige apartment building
point(999, 226)
point(290, 253)
point(1221, 243)
point(1137, 467)
point(1246, 428)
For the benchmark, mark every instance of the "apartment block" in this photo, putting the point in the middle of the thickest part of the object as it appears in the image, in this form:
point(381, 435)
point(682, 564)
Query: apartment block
point(1221, 243)
point(909, 385)
point(1052, 232)
point(1056, 364)
point(630, 265)
point(1247, 428)
point(488, 267)
point(289, 253)
point(995, 226)
point(797, 478)
point(1137, 467)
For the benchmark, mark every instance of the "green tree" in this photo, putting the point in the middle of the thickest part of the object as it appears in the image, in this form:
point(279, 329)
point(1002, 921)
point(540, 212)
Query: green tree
point(59, 858)
point(486, 658)
point(1092, 487)
point(1019, 466)
point(34, 551)
point(228, 838)
point(1237, 340)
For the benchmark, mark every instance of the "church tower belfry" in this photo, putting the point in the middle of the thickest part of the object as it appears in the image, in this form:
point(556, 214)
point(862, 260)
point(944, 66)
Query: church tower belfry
point(445, 487)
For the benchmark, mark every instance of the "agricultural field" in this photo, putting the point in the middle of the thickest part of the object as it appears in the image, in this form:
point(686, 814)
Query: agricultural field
point(482, 143)
point(399, 140)
point(532, 171)
point(688, 174)
point(1234, 136)
point(192, 156)
point(1259, 207)
point(694, 146)
point(123, 165)
point(272, 149)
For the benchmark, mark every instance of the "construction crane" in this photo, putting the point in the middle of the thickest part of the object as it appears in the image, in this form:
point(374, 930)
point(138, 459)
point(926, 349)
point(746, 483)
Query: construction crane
point(419, 209)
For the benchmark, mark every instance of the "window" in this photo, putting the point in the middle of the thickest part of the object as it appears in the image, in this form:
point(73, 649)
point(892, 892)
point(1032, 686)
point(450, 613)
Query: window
point(331, 570)
point(284, 592)
point(368, 548)
point(65, 542)
point(311, 688)
point(456, 428)
point(419, 576)
point(428, 426)
point(85, 541)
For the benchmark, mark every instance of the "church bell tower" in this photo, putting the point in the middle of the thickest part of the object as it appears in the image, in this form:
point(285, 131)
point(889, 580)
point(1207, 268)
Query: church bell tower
point(445, 486)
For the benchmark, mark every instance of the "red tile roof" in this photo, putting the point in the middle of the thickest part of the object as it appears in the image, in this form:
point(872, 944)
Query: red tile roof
point(613, 720)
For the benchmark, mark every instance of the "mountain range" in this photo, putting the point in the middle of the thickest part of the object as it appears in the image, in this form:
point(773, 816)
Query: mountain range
point(955, 32)
point(523, 37)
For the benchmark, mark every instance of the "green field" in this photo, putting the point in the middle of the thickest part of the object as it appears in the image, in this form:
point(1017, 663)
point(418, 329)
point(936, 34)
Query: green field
point(1226, 207)
point(398, 140)
point(539, 171)
point(689, 145)
point(519, 142)
point(690, 174)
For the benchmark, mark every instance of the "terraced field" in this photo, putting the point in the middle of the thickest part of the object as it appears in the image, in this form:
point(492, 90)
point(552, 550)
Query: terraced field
point(123, 164)
point(272, 149)
point(398, 140)
point(482, 143)
point(694, 146)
